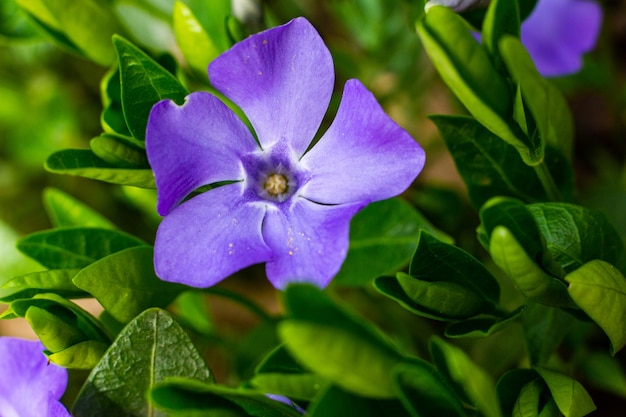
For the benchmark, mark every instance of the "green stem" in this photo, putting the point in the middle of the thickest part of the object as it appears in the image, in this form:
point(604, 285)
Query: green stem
point(548, 182)
point(243, 301)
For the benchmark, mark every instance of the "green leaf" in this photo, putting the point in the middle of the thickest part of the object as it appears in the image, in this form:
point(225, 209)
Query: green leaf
point(528, 402)
point(599, 289)
point(545, 102)
point(382, 239)
point(424, 392)
point(149, 346)
point(576, 235)
point(118, 152)
point(186, 396)
point(213, 17)
point(473, 380)
point(529, 278)
point(482, 326)
point(14, 22)
point(335, 402)
point(74, 247)
point(148, 22)
point(502, 18)
point(194, 42)
point(571, 398)
point(83, 355)
point(88, 24)
point(84, 163)
point(466, 68)
point(57, 281)
point(510, 385)
point(144, 83)
point(454, 265)
point(112, 117)
point(125, 283)
point(66, 211)
point(491, 167)
point(62, 326)
point(328, 340)
point(544, 330)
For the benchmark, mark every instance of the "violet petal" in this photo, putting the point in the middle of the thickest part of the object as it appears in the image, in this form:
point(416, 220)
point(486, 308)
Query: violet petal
point(210, 237)
point(559, 32)
point(309, 241)
point(364, 155)
point(198, 143)
point(28, 381)
point(282, 79)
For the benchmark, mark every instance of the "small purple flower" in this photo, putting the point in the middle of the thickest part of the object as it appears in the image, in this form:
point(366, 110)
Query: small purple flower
point(286, 205)
point(558, 32)
point(29, 387)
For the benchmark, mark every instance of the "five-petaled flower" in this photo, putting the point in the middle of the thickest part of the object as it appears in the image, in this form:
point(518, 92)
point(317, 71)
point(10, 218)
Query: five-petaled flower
point(30, 386)
point(558, 32)
point(283, 203)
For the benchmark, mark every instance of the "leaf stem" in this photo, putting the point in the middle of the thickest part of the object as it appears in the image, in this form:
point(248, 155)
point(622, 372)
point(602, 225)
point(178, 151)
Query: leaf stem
point(238, 298)
point(548, 182)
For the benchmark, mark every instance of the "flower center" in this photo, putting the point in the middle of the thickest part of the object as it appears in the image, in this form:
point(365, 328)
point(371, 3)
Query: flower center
point(276, 184)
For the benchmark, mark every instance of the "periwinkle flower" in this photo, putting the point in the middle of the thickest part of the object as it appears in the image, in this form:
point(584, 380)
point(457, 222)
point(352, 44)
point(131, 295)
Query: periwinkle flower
point(283, 203)
point(30, 386)
point(559, 32)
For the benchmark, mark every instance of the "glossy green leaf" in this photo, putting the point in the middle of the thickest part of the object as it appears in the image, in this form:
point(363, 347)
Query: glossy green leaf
point(576, 235)
point(390, 287)
point(528, 402)
point(178, 395)
point(327, 340)
point(84, 163)
point(502, 18)
point(424, 392)
point(89, 24)
point(490, 167)
point(195, 44)
point(115, 151)
point(66, 211)
point(213, 17)
point(482, 326)
point(74, 247)
point(467, 69)
point(544, 329)
point(112, 117)
point(279, 373)
point(469, 377)
point(529, 278)
point(453, 264)
point(125, 283)
point(144, 82)
point(382, 239)
point(57, 281)
point(54, 332)
point(83, 355)
point(545, 102)
point(328, 351)
point(335, 402)
point(149, 346)
point(571, 398)
point(599, 289)
point(511, 384)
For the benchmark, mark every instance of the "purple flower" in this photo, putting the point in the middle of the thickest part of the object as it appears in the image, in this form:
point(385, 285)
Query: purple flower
point(284, 205)
point(29, 387)
point(559, 32)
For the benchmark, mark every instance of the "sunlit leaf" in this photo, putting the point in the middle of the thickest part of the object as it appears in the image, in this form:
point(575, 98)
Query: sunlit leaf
point(66, 211)
point(571, 398)
point(600, 290)
point(84, 163)
point(149, 346)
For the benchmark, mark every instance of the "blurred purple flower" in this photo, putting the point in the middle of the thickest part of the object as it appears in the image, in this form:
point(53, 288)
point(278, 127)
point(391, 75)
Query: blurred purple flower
point(288, 207)
point(29, 387)
point(558, 32)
